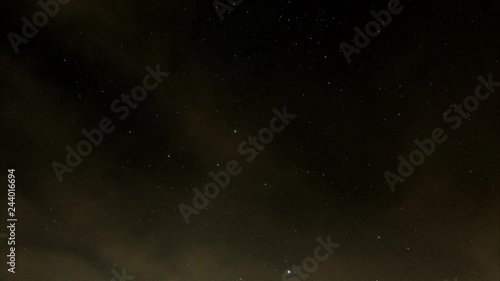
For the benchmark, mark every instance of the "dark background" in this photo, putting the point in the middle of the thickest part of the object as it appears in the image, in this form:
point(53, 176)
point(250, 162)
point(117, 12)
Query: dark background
point(323, 175)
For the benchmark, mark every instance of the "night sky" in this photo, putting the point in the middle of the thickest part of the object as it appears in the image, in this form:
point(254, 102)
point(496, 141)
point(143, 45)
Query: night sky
point(321, 176)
